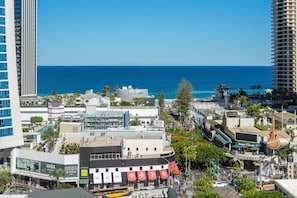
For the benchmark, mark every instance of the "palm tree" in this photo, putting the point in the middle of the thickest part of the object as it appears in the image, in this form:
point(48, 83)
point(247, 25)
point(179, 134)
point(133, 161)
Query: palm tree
point(242, 99)
point(259, 87)
point(253, 87)
point(115, 90)
point(138, 101)
point(281, 155)
point(291, 133)
point(221, 89)
point(106, 90)
point(58, 173)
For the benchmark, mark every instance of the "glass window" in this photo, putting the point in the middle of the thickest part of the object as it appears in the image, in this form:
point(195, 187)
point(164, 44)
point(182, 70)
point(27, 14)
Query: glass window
point(2, 29)
point(2, 39)
point(2, 3)
point(4, 85)
point(2, 21)
point(3, 66)
point(2, 57)
point(2, 12)
point(3, 76)
point(2, 48)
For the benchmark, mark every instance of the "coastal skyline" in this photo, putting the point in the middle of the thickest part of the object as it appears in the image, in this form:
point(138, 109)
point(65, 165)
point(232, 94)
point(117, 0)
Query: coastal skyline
point(169, 32)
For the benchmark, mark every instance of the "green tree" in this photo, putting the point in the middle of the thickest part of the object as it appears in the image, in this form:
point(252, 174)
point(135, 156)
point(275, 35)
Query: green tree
point(281, 155)
point(135, 122)
point(105, 90)
point(5, 178)
point(138, 101)
point(221, 89)
point(161, 101)
point(36, 119)
point(242, 99)
point(291, 133)
point(54, 92)
point(115, 90)
point(50, 136)
point(125, 103)
point(208, 152)
point(183, 101)
point(203, 184)
point(262, 194)
point(70, 148)
point(245, 185)
point(254, 111)
point(58, 173)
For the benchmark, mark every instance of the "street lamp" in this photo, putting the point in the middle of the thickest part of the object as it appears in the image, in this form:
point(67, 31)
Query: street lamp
point(187, 157)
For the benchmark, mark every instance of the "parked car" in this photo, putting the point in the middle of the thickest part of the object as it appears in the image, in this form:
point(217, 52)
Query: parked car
point(219, 184)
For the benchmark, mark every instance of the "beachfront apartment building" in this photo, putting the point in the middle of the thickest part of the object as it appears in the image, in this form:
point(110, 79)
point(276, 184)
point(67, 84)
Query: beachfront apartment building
point(11, 134)
point(284, 43)
point(129, 93)
point(26, 46)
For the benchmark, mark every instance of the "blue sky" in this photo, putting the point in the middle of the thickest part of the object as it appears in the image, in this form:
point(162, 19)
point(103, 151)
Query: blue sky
point(154, 32)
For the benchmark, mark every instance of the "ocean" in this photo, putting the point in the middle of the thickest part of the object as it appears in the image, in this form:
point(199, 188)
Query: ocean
point(72, 79)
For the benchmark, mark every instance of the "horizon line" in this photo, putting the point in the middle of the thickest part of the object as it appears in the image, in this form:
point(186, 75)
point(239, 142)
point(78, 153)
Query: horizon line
point(154, 65)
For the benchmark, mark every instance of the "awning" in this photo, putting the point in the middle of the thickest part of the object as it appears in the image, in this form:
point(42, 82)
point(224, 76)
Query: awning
point(254, 148)
point(221, 139)
point(237, 146)
point(163, 174)
point(97, 178)
point(131, 176)
point(173, 168)
point(83, 181)
point(107, 178)
point(151, 175)
point(141, 175)
point(117, 177)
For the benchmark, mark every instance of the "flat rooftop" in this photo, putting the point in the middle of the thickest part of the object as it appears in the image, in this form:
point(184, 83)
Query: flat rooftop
point(288, 185)
point(99, 141)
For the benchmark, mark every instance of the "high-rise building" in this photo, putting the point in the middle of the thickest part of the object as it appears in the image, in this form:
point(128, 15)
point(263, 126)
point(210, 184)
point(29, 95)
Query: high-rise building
point(284, 45)
point(11, 134)
point(26, 38)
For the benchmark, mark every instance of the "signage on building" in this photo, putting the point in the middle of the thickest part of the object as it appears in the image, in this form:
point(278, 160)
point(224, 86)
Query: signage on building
point(246, 137)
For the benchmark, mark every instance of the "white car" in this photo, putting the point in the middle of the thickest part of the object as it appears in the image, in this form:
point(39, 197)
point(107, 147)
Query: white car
point(219, 184)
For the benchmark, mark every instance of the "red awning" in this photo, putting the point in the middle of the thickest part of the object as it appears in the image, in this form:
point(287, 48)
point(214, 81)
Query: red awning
point(141, 175)
point(152, 175)
point(173, 168)
point(131, 176)
point(163, 174)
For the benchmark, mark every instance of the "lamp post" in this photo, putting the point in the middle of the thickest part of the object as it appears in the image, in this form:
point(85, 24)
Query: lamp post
point(187, 157)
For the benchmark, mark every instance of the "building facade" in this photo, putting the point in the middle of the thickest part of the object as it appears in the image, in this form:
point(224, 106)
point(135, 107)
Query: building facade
point(11, 134)
point(26, 46)
point(284, 45)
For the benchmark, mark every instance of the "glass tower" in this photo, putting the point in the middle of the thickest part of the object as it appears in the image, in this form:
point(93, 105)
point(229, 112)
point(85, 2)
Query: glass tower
point(26, 50)
point(10, 118)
